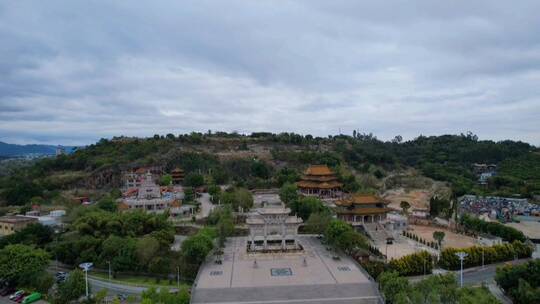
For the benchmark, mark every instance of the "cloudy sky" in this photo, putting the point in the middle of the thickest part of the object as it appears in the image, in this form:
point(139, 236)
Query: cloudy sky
point(72, 72)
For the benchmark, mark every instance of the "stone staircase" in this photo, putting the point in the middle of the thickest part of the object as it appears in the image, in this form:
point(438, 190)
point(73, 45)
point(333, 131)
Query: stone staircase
point(377, 232)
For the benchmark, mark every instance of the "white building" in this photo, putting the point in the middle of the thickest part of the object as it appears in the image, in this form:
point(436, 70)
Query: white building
point(150, 198)
point(489, 240)
point(271, 228)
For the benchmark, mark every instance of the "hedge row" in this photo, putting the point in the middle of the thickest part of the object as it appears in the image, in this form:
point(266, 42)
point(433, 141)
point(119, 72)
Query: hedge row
point(493, 254)
point(508, 234)
point(413, 264)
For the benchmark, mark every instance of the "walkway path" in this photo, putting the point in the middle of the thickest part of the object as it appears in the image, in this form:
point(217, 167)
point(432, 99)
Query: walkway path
point(206, 206)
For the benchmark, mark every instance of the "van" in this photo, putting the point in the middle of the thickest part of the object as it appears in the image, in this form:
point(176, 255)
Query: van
point(32, 298)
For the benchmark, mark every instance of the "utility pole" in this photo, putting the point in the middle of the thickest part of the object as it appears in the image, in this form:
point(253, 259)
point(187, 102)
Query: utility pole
point(461, 255)
point(424, 266)
point(482, 257)
point(109, 262)
point(178, 277)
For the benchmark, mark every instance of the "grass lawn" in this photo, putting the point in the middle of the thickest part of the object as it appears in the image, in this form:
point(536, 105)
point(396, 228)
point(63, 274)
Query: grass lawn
point(140, 281)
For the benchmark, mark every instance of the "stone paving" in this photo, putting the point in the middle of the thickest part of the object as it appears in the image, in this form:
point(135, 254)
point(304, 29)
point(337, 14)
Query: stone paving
point(311, 275)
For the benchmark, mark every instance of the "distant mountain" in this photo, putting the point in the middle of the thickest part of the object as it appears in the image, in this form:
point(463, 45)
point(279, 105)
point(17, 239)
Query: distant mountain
point(13, 150)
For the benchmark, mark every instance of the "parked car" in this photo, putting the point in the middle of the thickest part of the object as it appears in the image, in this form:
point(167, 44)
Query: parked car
point(31, 298)
point(16, 294)
point(122, 297)
point(20, 297)
point(7, 290)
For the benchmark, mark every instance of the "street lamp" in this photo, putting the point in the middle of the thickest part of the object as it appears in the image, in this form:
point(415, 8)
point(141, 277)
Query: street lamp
point(86, 267)
point(461, 255)
point(178, 277)
point(56, 231)
point(482, 257)
point(109, 262)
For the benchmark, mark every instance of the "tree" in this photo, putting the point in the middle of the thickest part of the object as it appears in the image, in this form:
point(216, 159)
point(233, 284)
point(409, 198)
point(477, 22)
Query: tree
point(288, 193)
point(19, 263)
point(196, 248)
point(405, 206)
point(159, 265)
point(147, 248)
point(305, 206)
point(194, 180)
point(393, 285)
point(42, 282)
point(439, 237)
point(165, 180)
point(225, 228)
point(108, 204)
point(242, 198)
point(152, 296)
point(73, 288)
point(318, 222)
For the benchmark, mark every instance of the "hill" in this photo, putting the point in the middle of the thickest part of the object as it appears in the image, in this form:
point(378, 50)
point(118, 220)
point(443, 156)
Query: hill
point(260, 160)
point(13, 150)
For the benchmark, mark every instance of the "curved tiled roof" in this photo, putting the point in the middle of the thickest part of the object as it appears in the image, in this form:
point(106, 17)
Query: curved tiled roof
point(318, 170)
point(364, 211)
point(359, 199)
point(318, 185)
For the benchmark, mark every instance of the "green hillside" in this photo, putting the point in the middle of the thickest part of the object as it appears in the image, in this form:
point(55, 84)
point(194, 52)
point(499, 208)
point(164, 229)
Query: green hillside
point(268, 160)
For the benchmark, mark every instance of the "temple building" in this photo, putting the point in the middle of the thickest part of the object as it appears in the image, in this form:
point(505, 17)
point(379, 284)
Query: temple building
point(134, 177)
point(272, 229)
point(177, 176)
point(321, 181)
point(362, 208)
point(149, 197)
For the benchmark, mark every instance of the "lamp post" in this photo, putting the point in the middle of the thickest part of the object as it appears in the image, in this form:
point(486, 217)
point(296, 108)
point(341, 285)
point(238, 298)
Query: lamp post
point(461, 255)
point(86, 267)
point(56, 231)
point(482, 257)
point(424, 266)
point(178, 277)
point(109, 262)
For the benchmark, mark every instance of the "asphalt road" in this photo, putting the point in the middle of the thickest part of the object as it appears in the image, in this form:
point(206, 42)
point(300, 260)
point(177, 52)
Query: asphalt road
point(476, 275)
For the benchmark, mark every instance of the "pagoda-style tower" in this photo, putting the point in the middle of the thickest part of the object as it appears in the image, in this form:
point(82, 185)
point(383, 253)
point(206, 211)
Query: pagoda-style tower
point(320, 181)
point(177, 176)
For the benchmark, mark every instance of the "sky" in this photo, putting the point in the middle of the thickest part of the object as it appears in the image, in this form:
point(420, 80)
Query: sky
point(72, 72)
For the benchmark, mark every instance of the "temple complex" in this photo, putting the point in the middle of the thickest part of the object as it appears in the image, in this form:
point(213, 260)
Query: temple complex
point(134, 177)
point(359, 209)
point(271, 228)
point(320, 181)
point(149, 197)
point(177, 176)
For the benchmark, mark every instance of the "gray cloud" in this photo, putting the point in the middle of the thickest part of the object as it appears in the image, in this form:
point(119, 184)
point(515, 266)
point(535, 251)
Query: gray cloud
point(72, 72)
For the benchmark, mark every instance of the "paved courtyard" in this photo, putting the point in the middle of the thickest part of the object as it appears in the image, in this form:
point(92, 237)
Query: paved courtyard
point(451, 239)
point(312, 275)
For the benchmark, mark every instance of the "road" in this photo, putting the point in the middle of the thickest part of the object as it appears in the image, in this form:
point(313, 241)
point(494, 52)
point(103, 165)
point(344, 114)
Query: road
point(206, 206)
point(99, 284)
point(476, 275)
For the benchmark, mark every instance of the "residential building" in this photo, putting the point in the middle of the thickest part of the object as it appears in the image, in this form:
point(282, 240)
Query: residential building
point(13, 223)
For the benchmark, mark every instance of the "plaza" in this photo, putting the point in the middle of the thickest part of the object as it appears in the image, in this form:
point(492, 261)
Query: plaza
point(312, 275)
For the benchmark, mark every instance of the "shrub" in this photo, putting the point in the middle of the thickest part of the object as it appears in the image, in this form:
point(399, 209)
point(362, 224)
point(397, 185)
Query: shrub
point(508, 234)
point(493, 254)
point(413, 264)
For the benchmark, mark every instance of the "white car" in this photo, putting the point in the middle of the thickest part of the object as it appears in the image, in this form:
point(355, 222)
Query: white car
point(16, 294)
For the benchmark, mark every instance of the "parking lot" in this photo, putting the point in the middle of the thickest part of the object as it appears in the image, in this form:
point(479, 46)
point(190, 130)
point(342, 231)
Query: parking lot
point(5, 300)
